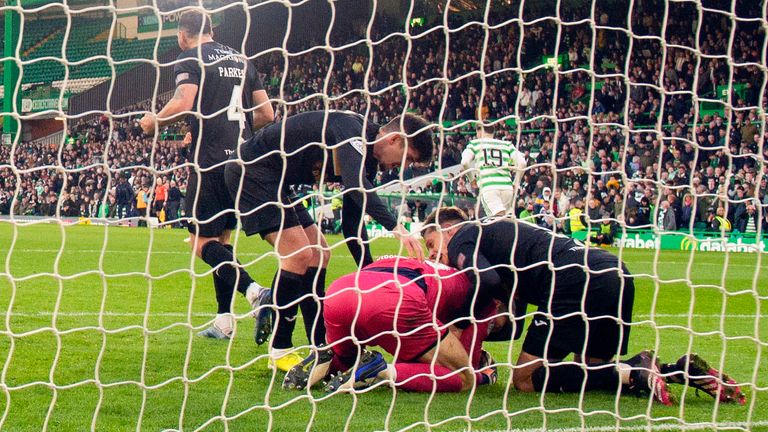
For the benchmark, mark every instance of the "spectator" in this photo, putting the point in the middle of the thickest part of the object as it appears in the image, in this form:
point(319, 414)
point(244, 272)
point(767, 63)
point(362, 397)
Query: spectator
point(546, 218)
point(594, 210)
point(716, 220)
point(576, 217)
point(528, 214)
point(687, 213)
point(748, 221)
point(606, 232)
point(665, 219)
point(124, 197)
point(173, 204)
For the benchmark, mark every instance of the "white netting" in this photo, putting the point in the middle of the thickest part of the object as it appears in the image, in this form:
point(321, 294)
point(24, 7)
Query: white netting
point(639, 110)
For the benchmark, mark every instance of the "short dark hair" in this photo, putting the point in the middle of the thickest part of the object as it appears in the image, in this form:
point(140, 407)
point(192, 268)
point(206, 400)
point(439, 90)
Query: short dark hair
point(487, 128)
point(419, 134)
point(195, 23)
point(449, 215)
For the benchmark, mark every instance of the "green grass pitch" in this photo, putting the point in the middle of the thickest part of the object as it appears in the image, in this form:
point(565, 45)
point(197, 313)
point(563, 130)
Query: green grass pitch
point(99, 331)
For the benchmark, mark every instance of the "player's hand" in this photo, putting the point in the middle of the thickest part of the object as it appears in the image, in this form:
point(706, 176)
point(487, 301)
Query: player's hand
point(412, 245)
point(147, 123)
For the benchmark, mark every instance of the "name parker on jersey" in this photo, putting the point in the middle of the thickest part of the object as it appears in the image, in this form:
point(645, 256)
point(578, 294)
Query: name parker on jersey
point(231, 72)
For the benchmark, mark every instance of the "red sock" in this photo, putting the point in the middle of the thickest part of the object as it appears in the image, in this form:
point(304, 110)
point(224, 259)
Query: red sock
point(426, 381)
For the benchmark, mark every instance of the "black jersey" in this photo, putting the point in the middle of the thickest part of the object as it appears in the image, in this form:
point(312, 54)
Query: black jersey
point(323, 145)
point(517, 255)
point(226, 81)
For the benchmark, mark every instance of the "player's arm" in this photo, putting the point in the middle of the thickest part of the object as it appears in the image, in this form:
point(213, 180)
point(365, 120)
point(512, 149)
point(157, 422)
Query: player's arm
point(517, 164)
point(483, 276)
point(467, 156)
point(182, 101)
point(518, 160)
point(264, 113)
point(353, 177)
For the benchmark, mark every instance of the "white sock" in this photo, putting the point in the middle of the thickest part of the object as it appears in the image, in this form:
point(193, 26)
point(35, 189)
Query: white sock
point(252, 292)
point(624, 371)
point(277, 353)
point(390, 373)
point(223, 322)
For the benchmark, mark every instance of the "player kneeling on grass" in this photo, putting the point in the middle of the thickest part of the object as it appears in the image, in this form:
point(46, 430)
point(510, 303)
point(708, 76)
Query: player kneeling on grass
point(584, 299)
point(406, 307)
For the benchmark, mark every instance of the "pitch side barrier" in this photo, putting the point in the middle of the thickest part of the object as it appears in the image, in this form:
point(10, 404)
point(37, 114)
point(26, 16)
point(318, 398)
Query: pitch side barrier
point(704, 241)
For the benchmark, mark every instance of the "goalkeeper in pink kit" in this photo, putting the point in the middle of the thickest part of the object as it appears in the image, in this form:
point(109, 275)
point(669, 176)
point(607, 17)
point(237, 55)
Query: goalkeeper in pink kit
point(409, 308)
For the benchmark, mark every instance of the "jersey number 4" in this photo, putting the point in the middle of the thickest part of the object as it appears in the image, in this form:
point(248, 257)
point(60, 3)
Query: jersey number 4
point(493, 157)
point(235, 111)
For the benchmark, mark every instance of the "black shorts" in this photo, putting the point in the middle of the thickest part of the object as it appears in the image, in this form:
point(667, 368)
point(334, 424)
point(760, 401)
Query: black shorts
point(264, 206)
point(597, 331)
point(209, 210)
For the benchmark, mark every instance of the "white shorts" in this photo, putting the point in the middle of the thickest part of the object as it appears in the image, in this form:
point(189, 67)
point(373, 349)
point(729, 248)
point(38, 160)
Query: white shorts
point(498, 201)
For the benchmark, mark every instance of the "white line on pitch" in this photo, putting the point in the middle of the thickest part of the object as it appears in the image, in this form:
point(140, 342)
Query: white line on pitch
point(118, 251)
point(254, 254)
point(177, 252)
point(134, 252)
point(655, 427)
point(206, 314)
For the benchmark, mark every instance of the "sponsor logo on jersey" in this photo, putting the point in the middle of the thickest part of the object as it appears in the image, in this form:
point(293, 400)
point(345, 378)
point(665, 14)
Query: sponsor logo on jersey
point(539, 323)
point(357, 145)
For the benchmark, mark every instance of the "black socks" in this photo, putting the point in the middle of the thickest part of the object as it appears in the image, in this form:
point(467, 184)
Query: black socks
point(215, 253)
point(312, 307)
point(224, 278)
point(287, 288)
point(569, 378)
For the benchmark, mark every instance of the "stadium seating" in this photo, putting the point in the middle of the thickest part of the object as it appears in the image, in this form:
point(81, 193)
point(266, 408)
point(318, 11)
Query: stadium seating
point(561, 160)
point(87, 40)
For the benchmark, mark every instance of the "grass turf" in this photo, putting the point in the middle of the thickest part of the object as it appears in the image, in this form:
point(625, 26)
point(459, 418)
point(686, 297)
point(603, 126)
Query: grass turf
point(99, 331)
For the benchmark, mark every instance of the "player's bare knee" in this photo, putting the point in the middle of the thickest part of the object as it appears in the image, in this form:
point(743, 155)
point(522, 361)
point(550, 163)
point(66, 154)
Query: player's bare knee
point(523, 382)
point(316, 257)
point(298, 262)
point(198, 244)
point(325, 257)
point(522, 377)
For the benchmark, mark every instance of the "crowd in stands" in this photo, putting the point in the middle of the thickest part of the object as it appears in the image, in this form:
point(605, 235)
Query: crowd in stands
point(631, 143)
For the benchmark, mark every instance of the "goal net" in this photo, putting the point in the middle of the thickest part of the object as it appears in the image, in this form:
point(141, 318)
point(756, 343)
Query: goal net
point(643, 128)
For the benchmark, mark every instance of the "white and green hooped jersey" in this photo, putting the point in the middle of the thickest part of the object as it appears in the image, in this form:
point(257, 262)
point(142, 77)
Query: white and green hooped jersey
point(494, 161)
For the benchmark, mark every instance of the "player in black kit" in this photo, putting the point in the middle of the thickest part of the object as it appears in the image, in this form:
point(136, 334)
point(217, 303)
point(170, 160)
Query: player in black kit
point(222, 97)
point(308, 148)
point(584, 298)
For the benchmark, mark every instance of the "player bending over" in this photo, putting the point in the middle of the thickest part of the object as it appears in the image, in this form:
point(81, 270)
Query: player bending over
point(316, 147)
point(408, 308)
point(550, 274)
point(210, 76)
